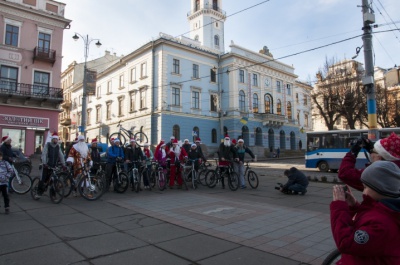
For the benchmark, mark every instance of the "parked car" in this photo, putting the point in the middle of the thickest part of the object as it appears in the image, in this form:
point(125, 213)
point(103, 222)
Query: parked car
point(22, 163)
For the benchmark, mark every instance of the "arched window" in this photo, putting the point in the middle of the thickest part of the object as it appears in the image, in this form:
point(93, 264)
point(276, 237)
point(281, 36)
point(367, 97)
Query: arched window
point(242, 101)
point(292, 141)
point(279, 107)
point(214, 136)
point(215, 5)
point(197, 5)
point(289, 110)
point(196, 133)
point(282, 140)
point(259, 141)
point(271, 140)
point(216, 40)
point(246, 135)
point(268, 103)
point(255, 103)
point(176, 131)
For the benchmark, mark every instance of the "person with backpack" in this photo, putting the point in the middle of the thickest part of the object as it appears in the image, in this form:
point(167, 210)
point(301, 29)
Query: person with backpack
point(241, 151)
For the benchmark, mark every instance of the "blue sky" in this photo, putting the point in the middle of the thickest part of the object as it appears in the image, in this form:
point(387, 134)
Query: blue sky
point(285, 26)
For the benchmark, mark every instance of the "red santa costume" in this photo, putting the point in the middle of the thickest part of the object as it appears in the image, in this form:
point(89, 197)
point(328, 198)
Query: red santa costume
point(177, 154)
point(79, 154)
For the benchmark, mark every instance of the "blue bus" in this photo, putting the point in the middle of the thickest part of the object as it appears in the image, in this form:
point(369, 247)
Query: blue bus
point(326, 149)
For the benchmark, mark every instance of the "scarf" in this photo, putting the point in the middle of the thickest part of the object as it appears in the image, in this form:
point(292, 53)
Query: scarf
point(147, 152)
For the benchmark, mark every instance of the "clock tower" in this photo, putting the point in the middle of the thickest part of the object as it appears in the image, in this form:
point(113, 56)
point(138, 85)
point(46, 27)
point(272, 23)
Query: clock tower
point(206, 20)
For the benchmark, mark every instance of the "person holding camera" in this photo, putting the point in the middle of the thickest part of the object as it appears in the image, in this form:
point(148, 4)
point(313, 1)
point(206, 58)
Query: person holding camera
point(114, 153)
point(387, 149)
point(297, 182)
point(367, 232)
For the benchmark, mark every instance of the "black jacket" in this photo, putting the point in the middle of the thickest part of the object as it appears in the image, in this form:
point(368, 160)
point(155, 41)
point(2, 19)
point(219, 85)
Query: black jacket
point(242, 151)
point(227, 152)
point(296, 176)
point(134, 154)
point(7, 153)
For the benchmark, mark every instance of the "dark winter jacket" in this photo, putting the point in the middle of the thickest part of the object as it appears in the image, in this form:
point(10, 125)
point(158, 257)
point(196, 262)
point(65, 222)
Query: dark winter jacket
point(227, 152)
point(134, 153)
point(8, 154)
point(241, 151)
point(367, 233)
point(296, 177)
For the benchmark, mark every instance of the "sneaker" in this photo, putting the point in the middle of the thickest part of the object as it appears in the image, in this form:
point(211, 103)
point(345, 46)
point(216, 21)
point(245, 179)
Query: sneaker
point(243, 187)
point(7, 210)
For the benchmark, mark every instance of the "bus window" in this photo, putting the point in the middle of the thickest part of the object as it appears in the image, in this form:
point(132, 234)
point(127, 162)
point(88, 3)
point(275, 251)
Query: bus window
point(313, 143)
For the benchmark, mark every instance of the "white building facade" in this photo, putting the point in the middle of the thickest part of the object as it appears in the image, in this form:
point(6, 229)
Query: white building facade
point(189, 87)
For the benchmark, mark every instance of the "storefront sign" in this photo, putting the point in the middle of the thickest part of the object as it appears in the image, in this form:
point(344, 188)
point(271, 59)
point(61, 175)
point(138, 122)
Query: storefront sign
point(24, 121)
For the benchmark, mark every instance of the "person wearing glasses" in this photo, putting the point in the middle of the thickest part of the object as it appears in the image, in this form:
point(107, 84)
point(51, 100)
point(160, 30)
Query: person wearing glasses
point(387, 149)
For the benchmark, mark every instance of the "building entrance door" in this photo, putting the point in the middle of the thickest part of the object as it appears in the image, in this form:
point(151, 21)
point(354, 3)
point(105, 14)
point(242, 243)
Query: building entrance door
point(39, 136)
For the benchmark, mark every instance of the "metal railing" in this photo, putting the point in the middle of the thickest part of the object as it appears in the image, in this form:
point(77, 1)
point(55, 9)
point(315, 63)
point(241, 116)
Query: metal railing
point(44, 54)
point(30, 90)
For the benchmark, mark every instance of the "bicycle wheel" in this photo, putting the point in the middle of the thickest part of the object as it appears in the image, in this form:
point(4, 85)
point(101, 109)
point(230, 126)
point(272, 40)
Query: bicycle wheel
point(21, 184)
point(211, 178)
point(34, 189)
point(56, 190)
point(194, 179)
point(332, 258)
point(120, 136)
point(252, 178)
point(121, 182)
point(161, 180)
point(233, 180)
point(141, 138)
point(93, 189)
point(153, 179)
point(136, 181)
point(68, 183)
point(201, 177)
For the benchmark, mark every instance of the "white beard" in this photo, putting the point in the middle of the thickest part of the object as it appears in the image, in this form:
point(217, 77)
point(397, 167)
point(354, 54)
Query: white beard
point(227, 143)
point(177, 151)
point(82, 148)
point(163, 154)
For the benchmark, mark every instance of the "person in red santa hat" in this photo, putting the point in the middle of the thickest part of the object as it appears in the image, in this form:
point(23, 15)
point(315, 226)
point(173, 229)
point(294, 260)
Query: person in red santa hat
point(384, 149)
point(51, 155)
point(79, 155)
point(226, 154)
point(177, 155)
point(198, 143)
point(95, 155)
point(8, 154)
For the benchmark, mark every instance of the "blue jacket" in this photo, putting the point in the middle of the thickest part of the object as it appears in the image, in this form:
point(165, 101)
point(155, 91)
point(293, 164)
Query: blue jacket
point(113, 152)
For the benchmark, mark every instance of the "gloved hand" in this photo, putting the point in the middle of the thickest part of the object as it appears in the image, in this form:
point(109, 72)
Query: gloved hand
point(368, 144)
point(119, 159)
point(356, 147)
point(90, 163)
point(64, 168)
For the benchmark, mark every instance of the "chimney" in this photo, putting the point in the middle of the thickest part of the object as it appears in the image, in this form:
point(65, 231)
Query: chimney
point(107, 53)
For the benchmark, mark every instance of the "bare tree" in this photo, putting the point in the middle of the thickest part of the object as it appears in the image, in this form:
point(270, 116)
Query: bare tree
point(338, 93)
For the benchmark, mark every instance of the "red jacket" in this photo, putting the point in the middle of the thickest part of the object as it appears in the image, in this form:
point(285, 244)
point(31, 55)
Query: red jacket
point(351, 176)
point(367, 233)
point(175, 159)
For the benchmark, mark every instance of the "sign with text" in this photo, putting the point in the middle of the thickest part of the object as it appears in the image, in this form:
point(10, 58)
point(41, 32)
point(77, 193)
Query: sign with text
point(91, 78)
point(24, 121)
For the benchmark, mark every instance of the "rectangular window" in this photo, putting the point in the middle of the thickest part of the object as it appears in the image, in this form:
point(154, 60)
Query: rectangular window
point(176, 96)
point(108, 111)
point(8, 78)
point(305, 100)
point(98, 114)
point(41, 83)
point(121, 81)
point(195, 71)
point(241, 76)
point(98, 92)
point(255, 80)
point(12, 33)
point(278, 86)
point(306, 120)
point(288, 89)
point(213, 102)
point(44, 42)
point(143, 70)
point(109, 87)
point(88, 117)
point(142, 98)
point(120, 106)
point(132, 105)
point(176, 69)
point(297, 97)
point(195, 99)
point(213, 75)
point(133, 75)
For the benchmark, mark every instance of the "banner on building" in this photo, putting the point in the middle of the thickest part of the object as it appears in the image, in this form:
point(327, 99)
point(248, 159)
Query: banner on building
point(91, 78)
point(244, 120)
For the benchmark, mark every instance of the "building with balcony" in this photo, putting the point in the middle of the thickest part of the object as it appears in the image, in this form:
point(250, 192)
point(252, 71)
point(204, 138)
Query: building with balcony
point(191, 87)
point(31, 33)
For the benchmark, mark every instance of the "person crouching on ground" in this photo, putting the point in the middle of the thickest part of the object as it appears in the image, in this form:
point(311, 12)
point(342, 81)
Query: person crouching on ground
point(5, 173)
point(297, 182)
point(368, 232)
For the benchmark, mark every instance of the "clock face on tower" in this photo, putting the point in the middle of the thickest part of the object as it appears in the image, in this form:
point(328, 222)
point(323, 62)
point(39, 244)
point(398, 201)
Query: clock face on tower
point(267, 82)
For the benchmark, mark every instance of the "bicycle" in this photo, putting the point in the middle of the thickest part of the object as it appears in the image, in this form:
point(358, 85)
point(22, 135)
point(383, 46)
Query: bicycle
point(90, 187)
point(158, 175)
point(186, 173)
point(134, 176)
point(56, 191)
point(21, 183)
point(201, 173)
point(252, 177)
point(120, 179)
point(332, 257)
point(216, 175)
point(123, 133)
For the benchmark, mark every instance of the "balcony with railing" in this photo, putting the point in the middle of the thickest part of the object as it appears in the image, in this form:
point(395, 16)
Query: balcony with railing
point(269, 119)
point(66, 104)
point(43, 54)
point(207, 8)
point(65, 118)
point(30, 91)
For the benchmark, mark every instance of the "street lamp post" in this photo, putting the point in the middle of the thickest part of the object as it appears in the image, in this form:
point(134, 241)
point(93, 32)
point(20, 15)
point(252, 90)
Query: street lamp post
point(86, 42)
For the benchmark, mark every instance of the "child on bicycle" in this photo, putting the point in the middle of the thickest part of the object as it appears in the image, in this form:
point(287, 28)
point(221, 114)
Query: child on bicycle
point(367, 232)
point(5, 174)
